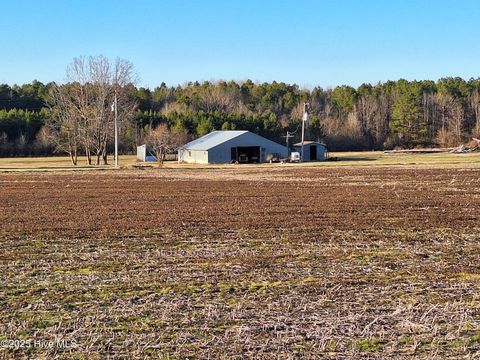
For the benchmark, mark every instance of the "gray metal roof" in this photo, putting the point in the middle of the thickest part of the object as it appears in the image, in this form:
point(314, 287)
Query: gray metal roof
point(213, 139)
point(308, 142)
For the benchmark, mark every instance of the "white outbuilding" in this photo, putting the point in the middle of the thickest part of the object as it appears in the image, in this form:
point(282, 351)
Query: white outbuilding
point(144, 153)
point(227, 146)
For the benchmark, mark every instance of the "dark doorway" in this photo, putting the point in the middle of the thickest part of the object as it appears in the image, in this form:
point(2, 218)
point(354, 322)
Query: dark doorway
point(248, 154)
point(313, 152)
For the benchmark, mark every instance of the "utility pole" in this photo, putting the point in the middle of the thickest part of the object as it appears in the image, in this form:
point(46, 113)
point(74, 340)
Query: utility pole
point(114, 106)
point(304, 120)
point(290, 134)
point(287, 138)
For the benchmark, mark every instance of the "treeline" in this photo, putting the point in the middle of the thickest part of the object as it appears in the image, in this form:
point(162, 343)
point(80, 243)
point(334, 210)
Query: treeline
point(382, 116)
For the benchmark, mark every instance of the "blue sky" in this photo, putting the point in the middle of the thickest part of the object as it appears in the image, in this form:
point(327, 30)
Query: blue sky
point(307, 42)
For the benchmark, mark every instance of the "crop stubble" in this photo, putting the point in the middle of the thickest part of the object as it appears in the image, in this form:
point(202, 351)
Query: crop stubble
point(331, 262)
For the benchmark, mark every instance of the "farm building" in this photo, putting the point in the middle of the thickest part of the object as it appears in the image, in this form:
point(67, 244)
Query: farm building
point(312, 150)
point(223, 147)
point(144, 153)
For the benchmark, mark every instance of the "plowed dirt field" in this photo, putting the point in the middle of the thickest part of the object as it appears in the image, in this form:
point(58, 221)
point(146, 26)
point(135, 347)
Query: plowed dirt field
point(245, 262)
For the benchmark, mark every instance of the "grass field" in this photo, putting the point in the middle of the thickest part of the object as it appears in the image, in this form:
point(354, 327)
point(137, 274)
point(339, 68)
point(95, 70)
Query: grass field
point(379, 259)
point(367, 158)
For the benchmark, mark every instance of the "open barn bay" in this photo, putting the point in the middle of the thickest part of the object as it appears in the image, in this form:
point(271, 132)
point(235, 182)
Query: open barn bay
point(333, 262)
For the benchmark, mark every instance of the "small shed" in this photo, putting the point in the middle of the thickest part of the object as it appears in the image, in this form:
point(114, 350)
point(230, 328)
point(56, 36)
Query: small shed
point(312, 150)
point(144, 153)
point(227, 146)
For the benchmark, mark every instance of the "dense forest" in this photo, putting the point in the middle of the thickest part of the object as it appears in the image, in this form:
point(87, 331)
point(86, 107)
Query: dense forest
point(383, 116)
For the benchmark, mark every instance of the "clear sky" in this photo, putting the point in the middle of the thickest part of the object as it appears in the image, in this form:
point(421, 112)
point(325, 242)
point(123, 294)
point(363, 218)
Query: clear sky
point(308, 42)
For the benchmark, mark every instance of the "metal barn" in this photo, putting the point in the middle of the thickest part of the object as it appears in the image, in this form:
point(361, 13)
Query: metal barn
point(312, 150)
point(223, 147)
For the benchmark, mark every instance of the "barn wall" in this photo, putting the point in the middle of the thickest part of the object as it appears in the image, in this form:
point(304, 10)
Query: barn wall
point(221, 154)
point(306, 151)
point(193, 156)
point(321, 153)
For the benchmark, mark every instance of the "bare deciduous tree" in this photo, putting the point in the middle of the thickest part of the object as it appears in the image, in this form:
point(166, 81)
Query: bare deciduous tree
point(475, 104)
point(83, 105)
point(164, 140)
point(64, 124)
point(451, 115)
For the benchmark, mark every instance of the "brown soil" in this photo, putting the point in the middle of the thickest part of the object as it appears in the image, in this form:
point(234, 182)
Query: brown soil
point(282, 262)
